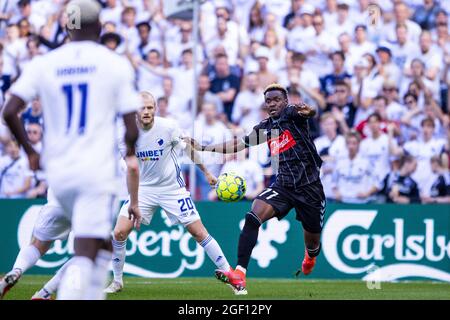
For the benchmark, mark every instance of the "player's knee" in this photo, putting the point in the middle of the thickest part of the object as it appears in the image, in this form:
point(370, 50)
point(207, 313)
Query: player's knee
point(42, 246)
point(199, 236)
point(198, 232)
point(252, 220)
point(262, 210)
point(120, 234)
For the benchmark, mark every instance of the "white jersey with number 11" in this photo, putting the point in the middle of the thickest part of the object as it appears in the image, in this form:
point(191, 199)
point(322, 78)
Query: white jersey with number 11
point(82, 86)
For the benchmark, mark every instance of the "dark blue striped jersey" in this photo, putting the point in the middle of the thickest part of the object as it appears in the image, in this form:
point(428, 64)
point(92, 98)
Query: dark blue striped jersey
point(291, 147)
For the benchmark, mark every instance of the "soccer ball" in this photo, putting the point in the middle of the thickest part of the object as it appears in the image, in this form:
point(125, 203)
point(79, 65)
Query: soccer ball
point(230, 187)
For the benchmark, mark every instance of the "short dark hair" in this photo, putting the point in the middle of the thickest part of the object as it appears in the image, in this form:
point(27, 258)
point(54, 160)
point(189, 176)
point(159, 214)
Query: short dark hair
point(155, 51)
point(163, 98)
point(401, 25)
point(353, 134)
point(360, 26)
point(110, 36)
point(339, 53)
point(379, 97)
point(293, 92)
point(341, 82)
point(299, 56)
point(23, 3)
point(129, 9)
point(343, 6)
point(436, 158)
point(276, 87)
point(375, 115)
point(221, 55)
point(442, 11)
point(144, 24)
point(427, 120)
point(188, 50)
point(407, 158)
point(410, 94)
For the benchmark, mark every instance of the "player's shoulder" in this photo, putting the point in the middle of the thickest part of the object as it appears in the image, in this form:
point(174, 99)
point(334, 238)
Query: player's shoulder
point(411, 144)
point(166, 124)
point(367, 141)
point(263, 124)
point(321, 142)
point(339, 141)
point(363, 161)
point(119, 62)
point(38, 61)
point(440, 142)
point(165, 121)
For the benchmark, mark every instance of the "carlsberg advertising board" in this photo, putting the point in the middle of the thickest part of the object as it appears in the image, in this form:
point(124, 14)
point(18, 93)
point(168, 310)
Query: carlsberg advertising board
point(367, 242)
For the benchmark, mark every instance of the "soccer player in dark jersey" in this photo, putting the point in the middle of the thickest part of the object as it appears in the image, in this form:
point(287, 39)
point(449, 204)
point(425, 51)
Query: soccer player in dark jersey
point(297, 182)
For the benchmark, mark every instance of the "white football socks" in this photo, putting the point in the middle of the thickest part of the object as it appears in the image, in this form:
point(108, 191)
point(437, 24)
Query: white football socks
point(76, 279)
point(215, 253)
point(52, 285)
point(28, 256)
point(98, 279)
point(118, 258)
point(99, 276)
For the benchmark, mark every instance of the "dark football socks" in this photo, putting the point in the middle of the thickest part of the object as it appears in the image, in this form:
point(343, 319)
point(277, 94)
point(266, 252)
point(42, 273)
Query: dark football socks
point(314, 252)
point(248, 238)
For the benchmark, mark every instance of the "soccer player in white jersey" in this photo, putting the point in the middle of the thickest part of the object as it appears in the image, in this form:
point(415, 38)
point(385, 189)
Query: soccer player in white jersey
point(379, 148)
point(82, 86)
point(353, 181)
point(51, 224)
point(161, 185)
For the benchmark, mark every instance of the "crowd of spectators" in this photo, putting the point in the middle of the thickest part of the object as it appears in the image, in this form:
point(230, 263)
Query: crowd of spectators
point(377, 72)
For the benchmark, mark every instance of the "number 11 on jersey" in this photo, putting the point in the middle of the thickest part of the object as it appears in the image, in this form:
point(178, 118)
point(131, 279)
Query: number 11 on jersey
point(68, 90)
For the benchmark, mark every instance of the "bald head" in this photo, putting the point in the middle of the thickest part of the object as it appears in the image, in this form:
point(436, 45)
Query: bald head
point(86, 11)
point(146, 114)
point(83, 21)
point(147, 98)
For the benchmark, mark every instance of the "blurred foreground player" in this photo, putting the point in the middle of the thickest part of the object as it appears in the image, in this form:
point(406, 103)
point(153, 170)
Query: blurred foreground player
point(160, 185)
point(297, 182)
point(81, 94)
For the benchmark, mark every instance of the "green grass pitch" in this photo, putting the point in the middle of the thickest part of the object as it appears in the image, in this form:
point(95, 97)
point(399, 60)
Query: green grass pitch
point(289, 289)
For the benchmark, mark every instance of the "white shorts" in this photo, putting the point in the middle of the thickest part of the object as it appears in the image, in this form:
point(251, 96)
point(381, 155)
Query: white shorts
point(52, 222)
point(90, 213)
point(178, 206)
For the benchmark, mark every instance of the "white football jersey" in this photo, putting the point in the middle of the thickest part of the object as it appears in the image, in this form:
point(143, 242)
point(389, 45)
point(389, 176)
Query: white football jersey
point(82, 86)
point(336, 149)
point(423, 152)
point(352, 177)
point(376, 151)
point(156, 150)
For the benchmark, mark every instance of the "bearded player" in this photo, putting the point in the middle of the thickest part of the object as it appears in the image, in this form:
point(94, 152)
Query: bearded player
point(161, 185)
point(297, 182)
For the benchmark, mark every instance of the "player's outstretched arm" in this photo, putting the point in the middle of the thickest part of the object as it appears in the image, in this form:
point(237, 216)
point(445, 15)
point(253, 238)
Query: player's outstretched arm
point(230, 146)
point(195, 158)
point(133, 188)
point(305, 110)
point(11, 115)
point(131, 136)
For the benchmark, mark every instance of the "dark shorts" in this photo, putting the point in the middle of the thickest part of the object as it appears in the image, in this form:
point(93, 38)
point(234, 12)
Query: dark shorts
point(309, 203)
